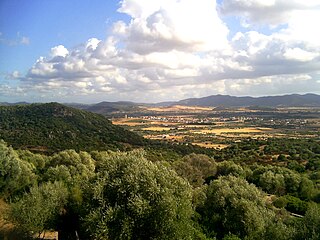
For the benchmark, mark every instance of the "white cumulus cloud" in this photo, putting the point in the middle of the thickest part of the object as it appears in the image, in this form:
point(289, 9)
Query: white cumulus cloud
point(172, 49)
point(165, 25)
point(273, 12)
point(59, 51)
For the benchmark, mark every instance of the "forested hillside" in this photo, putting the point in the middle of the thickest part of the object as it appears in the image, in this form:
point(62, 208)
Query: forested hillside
point(52, 126)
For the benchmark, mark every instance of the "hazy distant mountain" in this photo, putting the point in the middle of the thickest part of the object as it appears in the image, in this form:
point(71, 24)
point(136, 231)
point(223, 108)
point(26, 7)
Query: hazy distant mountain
point(12, 104)
point(106, 108)
point(294, 100)
point(220, 101)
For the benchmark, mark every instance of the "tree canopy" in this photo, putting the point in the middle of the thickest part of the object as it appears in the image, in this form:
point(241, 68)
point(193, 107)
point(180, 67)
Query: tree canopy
point(137, 199)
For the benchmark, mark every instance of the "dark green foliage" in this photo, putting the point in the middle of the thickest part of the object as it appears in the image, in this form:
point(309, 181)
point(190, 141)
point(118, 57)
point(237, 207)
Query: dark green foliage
point(196, 168)
point(296, 205)
point(310, 229)
point(231, 237)
point(313, 164)
point(294, 165)
point(53, 127)
point(292, 204)
point(181, 149)
point(281, 158)
point(299, 150)
point(272, 183)
point(279, 149)
point(246, 151)
point(162, 155)
point(75, 170)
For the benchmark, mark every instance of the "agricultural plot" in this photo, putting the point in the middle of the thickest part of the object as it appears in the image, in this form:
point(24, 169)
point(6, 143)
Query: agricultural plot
point(208, 128)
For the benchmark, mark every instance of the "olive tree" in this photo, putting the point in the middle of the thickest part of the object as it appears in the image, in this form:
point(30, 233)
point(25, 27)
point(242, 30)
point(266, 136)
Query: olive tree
point(15, 174)
point(237, 207)
point(196, 168)
point(134, 198)
point(40, 208)
point(70, 167)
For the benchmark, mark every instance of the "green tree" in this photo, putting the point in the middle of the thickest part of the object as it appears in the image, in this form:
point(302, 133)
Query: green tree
point(75, 170)
point(278, 230)
point(70, 167)
point(230, 168)
point(307, 189)
point(273, 183)
point(39, 209)
point(37, 160)
point(234, 206)
point(196, 168)
point(276, 180)
point(137, 199)
point(310, 226)
point(15, 174)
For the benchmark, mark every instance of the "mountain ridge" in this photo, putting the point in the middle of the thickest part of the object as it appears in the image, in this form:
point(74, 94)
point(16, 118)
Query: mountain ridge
point(292, 100)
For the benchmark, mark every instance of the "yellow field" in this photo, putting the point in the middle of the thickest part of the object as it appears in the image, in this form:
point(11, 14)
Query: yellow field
point(220, 131)
point(156, 129)
point(195, 126)
point(131, 124)
point(163, 123)
point(128, 121)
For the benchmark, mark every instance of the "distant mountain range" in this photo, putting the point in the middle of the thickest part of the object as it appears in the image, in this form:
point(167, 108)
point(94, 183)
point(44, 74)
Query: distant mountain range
point(294, 100)
point(11, 104)
point(220, 101)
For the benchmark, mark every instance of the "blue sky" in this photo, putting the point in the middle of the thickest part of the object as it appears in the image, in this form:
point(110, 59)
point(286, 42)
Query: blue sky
point(48, 23)
point(150, 51)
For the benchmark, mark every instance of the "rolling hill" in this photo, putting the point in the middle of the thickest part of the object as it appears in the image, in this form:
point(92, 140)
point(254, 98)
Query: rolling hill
point(53, 127)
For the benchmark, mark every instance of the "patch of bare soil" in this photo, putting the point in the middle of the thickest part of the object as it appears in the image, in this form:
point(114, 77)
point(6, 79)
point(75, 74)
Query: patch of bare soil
point(7, 230)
